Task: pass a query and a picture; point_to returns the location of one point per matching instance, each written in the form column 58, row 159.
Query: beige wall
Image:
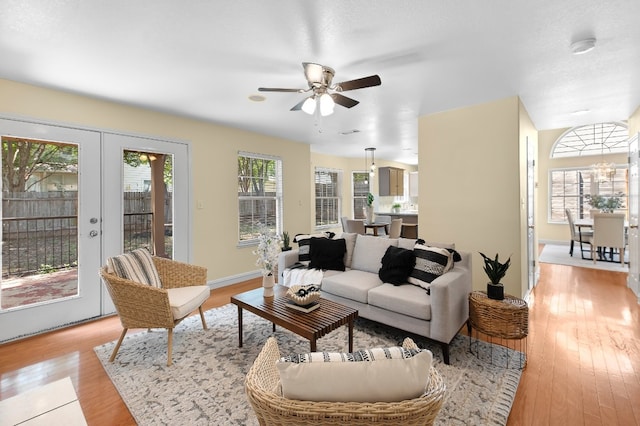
column 214, row 151
column 634, row 122
column 470, row 183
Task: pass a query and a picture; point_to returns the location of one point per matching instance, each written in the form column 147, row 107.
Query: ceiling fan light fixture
column 309, row 106
column 583, row 46
column 326, row 104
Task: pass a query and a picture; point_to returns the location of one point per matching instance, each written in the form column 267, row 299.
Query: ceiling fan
column 319, row 78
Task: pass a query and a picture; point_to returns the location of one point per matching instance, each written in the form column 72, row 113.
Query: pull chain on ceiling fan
column 319, row 79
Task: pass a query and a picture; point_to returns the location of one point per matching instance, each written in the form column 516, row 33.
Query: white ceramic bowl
column 302, row 300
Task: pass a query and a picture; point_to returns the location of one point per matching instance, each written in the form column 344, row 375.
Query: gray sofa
column 438, row 315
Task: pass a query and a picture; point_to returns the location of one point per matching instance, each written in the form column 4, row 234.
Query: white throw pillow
column 368, row 252
column 374, row 375
column 350, row 240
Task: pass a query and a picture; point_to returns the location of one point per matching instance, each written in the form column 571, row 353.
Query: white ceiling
column 204, row 58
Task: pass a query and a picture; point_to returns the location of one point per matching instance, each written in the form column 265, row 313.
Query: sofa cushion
column 405, row 299
column 137, row 265
column 374, row 375
column 325, row 253
column 406, row 243
column 368, row 252
column 431, row 262
column 353, row 284
column 397, row 264
column 350, row 240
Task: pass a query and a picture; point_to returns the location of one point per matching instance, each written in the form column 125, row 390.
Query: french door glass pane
column 39, row 222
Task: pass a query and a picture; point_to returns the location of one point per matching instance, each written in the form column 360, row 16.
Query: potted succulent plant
column 286, row 241
column 495, row 271
column 396, row 207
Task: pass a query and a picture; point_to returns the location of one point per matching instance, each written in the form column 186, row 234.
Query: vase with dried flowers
column 267, row 252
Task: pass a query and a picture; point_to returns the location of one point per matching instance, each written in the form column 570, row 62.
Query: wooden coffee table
column 312, row 325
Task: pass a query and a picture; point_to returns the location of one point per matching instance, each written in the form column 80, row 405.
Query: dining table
column 375, row 226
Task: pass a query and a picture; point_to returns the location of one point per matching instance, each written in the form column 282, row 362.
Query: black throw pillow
column 325, row 253
column 397, row 265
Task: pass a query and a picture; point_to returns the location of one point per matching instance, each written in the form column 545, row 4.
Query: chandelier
column 370, row 167
column 602, row 171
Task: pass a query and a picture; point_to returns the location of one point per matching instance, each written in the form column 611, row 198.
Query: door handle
column 93, row 233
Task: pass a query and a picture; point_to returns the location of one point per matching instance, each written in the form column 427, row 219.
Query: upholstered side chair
column 177, row 290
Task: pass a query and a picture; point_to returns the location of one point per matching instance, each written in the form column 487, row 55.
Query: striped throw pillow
column 137, row 266
column 431, row 262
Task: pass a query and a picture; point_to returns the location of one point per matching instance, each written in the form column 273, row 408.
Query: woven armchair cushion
column 184, row 300
column 136, row 266
column 374, row 375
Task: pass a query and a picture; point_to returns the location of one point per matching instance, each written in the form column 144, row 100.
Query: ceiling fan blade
column 313, row 72
column 277, row 89
column 298, row 106
column 344, row 101
column 360, row 83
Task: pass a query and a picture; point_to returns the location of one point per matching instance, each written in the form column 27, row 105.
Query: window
column 569, row 188
column 327, row 184
column 592, row 139
column 259, row 195
column 360, row 191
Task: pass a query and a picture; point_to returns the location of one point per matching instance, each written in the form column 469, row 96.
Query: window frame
column 358, row 212
column 336, row 197
column 277, row 197
column 591, row 187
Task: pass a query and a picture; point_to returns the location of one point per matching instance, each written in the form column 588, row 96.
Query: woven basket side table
column 505, row 320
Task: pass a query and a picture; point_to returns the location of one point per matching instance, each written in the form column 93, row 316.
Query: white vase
column 368, row 211
column 268, row 281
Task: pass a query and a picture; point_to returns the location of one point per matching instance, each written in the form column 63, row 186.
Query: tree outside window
column 259, row 195
column 327, row 189
column 360, row 192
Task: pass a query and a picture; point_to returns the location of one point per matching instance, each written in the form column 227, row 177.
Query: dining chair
column 383, row 219
column 608, row 231
column 344, row 220
column 355, row 226
column 395, row 229
column 577, row 235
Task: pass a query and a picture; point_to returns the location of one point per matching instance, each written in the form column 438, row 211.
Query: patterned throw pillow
column 431, row 262
column 304, row 241
column 373, row 375
column 137, row 266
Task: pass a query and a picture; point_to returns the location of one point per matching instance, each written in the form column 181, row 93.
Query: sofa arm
column 286, row 259
column 450, row 302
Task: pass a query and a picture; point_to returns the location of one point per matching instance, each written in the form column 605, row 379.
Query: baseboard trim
column 233, row 279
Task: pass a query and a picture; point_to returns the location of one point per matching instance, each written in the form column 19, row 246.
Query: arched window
column 592, row 139
column 571, row 188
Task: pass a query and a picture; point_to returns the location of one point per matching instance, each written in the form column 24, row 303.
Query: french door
column 74, row 211
column 50, row 227
column 633, row 279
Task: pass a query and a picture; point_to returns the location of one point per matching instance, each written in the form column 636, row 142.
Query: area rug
column 205, row 384
column 559, row 255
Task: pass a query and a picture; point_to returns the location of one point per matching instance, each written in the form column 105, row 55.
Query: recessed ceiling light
column 583, row 46
column 257, row 98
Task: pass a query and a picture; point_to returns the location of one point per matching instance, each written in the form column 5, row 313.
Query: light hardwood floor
column 583, row 368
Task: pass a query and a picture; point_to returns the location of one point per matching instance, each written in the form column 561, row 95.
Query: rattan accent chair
column 144, row 306
column 274, row 410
